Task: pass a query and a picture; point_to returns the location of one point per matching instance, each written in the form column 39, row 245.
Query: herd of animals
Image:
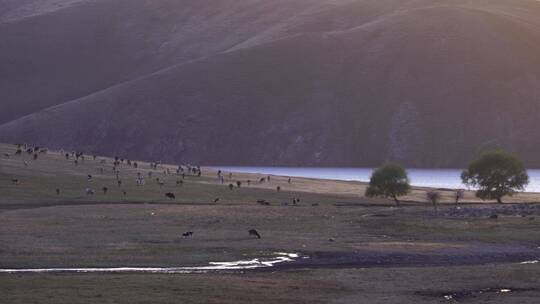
column 78, row 157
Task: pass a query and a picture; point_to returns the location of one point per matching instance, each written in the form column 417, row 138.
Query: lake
column 437, row 178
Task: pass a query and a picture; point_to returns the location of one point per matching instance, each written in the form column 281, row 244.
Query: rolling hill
column 338, row 83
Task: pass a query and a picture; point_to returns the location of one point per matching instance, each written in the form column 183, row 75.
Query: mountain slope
column 429, row 83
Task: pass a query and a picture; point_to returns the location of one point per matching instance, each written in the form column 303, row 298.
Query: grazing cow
column 170, row 195
column 15, row 181
column 254, row 233
column 216, row 200
column 289, row 180
column 105, row 189
column 249, row 182
column 18, row 152
column 262, row 180
column 35, row 156
column 187, row 234
column 57, row 191
column 67, row 155
column 179, row 182
column 238, row 184
column 119, row 182
column 231, row 186
column 124, row 193
column 278, row 188
column 89, row 177
column 89, row 191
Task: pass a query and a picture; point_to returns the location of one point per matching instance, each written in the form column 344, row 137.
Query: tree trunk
column 396, row 200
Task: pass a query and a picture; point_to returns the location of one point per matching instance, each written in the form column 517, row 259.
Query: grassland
column 361, row 250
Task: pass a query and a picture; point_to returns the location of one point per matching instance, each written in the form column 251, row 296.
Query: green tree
column 496, row 174
column 391, row 180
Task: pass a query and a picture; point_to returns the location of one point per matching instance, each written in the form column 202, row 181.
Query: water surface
column 436, row 178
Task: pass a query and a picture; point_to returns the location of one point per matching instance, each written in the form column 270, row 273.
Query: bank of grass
column 39, row 228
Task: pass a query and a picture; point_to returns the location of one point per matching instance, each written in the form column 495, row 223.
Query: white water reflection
column 279, row 257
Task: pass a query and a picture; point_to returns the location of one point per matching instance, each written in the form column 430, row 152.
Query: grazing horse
column 254, row 233
column 263, row 202
column 187, row 234
column 170, row 195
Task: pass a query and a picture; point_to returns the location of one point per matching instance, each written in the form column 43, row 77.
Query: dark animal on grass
column 187, row 234
column 231, row 186
column 67, row 155
column 179, row 182
column 35, row 156
column 57, row 191
column 124, row 193
column 262, row 180
column 170, row 195
column 15, row 181
column 263, row 202
column 254, row 233
column 105, row 189
column 18, row 152
column 216, row 200
column 238, row 184
column 119, row 183
column 6, row 155
column 89, row 191
column 278, row 188
column 89, row 177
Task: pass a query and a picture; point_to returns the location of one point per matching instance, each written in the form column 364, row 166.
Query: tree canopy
column 496, row 174
column 391, row 180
